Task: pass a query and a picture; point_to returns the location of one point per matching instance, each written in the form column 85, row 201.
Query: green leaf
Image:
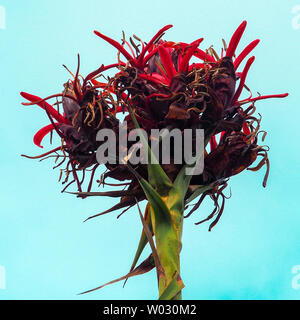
column 182, row 181
column 144, row 267
column 173, row 289
column 156, row 175
column 162, row 213
column 143, row 240
column 175, row 200
column 167, row 234
column 113, row 194
column 159, row 268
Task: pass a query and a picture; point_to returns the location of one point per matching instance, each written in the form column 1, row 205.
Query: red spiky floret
column 46, row 106
column 245, row 52
column 39, row 136
column 242, row 80
column 234, row 41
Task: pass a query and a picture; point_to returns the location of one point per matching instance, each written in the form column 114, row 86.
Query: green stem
column 178, row 296
column 168, row 245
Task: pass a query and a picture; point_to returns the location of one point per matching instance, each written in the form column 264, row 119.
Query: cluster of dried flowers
column 164, row 89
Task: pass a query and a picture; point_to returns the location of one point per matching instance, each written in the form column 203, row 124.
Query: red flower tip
column 245, row 52
column 117, row 45
column 204, row 55
column 167, row 62
column 196, row 66
column 141, row 62
column 236, row 39
column 39, row 136
column 44, row 105
column 155, row 78
column 189, row 53
column 26, row 95
column 242, row 80
column 282, row 95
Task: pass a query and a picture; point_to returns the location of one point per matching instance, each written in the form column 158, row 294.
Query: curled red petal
column 183, row 65
column 245, row 52
column 281, row 95
column 39, row 136
column 114, row 65
column 140, row 59
column 92, row 75
column 118, row 46
column 98, row 84
column 236, row 39
column 158, row 79
column 168, row 44
column 242, row 80
column 196, row 66
column 150, row 55
column 164, row 75
column 204, row 56
column 46, row 106
column 167, row 62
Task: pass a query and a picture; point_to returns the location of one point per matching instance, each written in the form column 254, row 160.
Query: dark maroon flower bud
column 71, row 108
column 224, row 82
column 228, row 159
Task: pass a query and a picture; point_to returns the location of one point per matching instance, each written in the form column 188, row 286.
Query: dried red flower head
column 164, row 89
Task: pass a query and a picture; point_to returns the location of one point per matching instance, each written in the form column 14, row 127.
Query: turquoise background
column 47, row 251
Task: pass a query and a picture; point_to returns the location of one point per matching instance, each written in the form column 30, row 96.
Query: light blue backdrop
column 47, row 251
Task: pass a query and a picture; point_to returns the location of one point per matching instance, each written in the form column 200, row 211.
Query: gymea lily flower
column 158, row 87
